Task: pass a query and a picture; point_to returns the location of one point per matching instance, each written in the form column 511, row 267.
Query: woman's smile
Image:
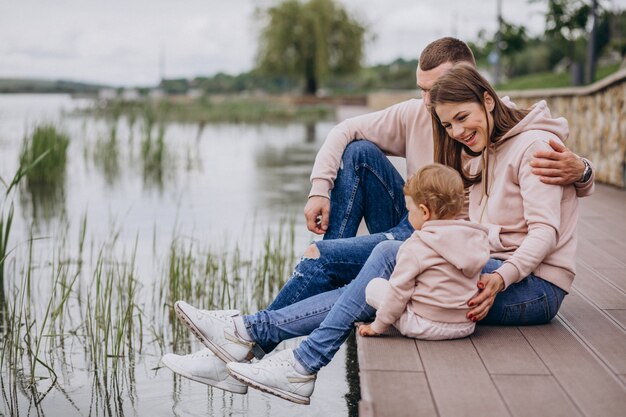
column 466, row 122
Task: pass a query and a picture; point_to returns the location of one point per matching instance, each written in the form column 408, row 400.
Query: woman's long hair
column 464, row 84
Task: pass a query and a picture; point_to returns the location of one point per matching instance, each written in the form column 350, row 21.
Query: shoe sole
column 223, row 385
column 219, row 352
column 298, row 399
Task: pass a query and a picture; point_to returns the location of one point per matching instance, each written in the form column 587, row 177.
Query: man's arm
column 560, row 166
column 385, row 128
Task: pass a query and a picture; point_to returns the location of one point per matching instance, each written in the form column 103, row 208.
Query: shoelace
column 204, row 353
column 274, row 362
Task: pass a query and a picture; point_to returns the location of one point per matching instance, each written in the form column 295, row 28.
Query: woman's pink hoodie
column 532, row 225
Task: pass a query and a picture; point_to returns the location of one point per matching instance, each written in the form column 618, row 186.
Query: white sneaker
column 204, row 367
column 276, row 375
column 216, row 330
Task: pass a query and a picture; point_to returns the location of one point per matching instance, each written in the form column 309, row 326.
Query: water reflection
column 106, row 156
column 223, row 193
column 284, row 170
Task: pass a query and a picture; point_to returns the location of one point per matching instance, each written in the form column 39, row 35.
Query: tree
column 310, row 41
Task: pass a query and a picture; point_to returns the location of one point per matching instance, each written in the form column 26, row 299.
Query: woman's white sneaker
column 276, row 375
column 216, row 330
column 204, row 367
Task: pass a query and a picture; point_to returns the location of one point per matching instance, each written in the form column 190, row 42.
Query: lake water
column 218, row 186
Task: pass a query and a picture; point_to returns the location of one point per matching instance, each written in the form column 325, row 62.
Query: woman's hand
column 366, row 330
column 489, row 286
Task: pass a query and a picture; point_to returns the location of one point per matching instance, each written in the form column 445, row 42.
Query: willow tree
column 310, row 40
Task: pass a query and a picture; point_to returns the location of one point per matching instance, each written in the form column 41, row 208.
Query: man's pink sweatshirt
column 404, row 130
column 436, row 273
column 532, row 225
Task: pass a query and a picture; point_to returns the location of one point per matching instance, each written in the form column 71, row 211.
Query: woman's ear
column 489, row 102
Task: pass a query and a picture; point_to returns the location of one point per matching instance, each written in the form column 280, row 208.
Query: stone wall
column 597, row 121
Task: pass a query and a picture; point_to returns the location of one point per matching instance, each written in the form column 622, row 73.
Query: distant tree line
column 563, row 42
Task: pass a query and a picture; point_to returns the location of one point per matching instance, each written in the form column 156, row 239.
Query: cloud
column 119, row 42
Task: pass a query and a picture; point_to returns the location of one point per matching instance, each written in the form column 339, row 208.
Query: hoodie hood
column 539, row 118
column 461, row 243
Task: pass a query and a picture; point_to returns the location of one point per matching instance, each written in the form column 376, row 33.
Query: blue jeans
column 367, row 187
column 531, row 301
column 327, row 318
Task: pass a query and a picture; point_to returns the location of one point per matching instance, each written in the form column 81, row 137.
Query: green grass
column 46, row 140
column 550, row 79
column 228, row 110
column 61, row 304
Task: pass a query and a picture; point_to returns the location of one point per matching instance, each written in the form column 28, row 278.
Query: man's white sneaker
column 276, row 375
column 204, row 367
column 216, row 330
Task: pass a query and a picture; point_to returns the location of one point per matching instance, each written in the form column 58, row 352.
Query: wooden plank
column 601, row 293
column 459, row 382
column 535, row 395
column 604, row 337
column 587, row 230
column 391, row 393
column 616, row 276
column 504, row 350
column 593, row 388
column 619, row 316
column 596, row 256
column 388, row 354
column 611, row 246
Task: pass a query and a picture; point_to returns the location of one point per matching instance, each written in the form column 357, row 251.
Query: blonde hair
column 464, row 84
column 438, row 187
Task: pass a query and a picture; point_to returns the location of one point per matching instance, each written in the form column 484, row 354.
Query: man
column 353, row 180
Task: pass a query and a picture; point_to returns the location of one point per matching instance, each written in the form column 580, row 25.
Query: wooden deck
column 574, row 366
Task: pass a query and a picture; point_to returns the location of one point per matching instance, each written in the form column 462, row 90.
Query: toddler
column 437, row 268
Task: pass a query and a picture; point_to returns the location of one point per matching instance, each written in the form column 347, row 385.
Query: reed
column 46, row 140
column 96, row 303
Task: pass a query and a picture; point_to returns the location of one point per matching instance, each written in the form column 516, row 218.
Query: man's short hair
column 445, row 50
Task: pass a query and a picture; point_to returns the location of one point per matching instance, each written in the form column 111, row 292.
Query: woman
column 532, row 242
column 532, row 225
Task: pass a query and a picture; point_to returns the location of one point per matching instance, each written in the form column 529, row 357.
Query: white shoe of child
column 216, row 330
column 204, row 367
column 276, row 375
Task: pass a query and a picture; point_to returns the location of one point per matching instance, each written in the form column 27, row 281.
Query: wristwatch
column 586, row 172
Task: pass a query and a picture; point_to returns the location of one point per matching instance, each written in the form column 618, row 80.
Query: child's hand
column 366, row 330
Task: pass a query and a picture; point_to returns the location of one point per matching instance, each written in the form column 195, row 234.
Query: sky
column 135, row 42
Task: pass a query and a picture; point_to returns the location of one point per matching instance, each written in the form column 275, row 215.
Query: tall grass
column 50, row 171
column 153, row 149
column 95, row 304
column 234, row 276
column 45, row 181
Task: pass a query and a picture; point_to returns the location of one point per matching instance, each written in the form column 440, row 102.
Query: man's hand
column 560, row 166
column 489, row 286
column 366, row 330
column 316, row 213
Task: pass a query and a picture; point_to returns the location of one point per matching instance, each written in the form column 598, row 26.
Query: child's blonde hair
column 438, row 187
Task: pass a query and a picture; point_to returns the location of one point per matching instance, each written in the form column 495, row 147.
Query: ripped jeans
column 327, row 318
column 367, row 187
